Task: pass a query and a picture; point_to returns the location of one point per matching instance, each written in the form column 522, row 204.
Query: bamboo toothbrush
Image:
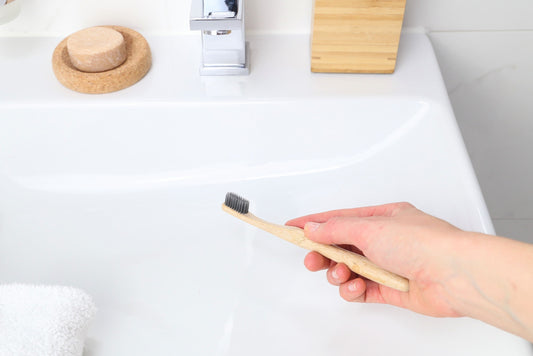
column 238, row 207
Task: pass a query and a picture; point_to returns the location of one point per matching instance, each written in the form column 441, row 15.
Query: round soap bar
column 96, row 49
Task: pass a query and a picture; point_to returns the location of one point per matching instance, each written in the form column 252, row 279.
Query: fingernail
column 352, row 287
column 334, row 273
column 311, row 226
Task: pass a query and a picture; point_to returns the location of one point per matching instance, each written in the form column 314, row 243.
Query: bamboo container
column 356, row 36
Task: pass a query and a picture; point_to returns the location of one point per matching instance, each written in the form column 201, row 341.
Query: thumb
column 339, row 231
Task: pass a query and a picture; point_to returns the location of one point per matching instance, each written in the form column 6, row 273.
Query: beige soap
column 96, row 49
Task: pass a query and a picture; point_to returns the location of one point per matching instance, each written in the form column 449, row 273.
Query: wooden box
column 356, row 36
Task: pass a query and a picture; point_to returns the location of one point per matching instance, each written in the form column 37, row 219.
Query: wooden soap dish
column 136, row 65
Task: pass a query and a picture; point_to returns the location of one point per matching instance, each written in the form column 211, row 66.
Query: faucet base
column 225, row 69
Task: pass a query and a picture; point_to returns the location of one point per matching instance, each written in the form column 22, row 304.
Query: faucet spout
column 221, row 22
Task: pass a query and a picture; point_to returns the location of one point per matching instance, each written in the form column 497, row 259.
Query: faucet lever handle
column 221, row 14
column 212, row 15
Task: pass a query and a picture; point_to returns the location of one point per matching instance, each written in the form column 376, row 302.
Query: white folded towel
column 43, row 320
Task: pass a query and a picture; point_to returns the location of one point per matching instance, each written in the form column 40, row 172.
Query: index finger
column 363, row 212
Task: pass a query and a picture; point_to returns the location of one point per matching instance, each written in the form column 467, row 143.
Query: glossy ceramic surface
column 120, row 195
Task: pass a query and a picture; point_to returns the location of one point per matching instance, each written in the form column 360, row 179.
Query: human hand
column 397, row 237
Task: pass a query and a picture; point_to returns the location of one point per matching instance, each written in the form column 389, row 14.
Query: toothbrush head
column 237, row 203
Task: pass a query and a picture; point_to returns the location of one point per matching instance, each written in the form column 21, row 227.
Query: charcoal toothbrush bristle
column 237, row 203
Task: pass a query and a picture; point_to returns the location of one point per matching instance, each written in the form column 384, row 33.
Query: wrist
column 460, row 285
column 489, row 280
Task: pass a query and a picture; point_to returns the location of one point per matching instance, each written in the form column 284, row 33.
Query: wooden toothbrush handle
column 356, row 263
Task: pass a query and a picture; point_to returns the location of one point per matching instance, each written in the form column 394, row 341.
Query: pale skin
column 451, row 272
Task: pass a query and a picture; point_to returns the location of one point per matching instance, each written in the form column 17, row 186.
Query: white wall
column 485, row 50
column 60, row 16
column 484, row 47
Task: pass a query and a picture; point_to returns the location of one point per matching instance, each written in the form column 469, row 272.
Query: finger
column 362, row 212
column 316, row 262
column 338, row 274
column 344, row 230
column 353, row 290
column 351, row 248
column 320, row 217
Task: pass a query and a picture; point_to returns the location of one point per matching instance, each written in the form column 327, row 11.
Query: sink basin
column 120, row 195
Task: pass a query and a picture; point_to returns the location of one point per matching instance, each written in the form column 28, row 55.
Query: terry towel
column 43, row 320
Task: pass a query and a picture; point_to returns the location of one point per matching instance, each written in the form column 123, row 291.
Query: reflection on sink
column 147, row 148
column 120, row 195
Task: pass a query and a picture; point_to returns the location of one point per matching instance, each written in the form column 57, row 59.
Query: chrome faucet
column 221, row 23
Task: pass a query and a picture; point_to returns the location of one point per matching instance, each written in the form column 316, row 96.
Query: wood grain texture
column 355, row 262
column 356, row 36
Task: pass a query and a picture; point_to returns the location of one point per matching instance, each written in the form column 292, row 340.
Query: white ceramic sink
column 120, row 195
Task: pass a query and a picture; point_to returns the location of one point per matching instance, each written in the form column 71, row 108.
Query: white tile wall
column 515, row 228
column 489, row 76
column 484, row 47
column 470, row 15
column 59, row 16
